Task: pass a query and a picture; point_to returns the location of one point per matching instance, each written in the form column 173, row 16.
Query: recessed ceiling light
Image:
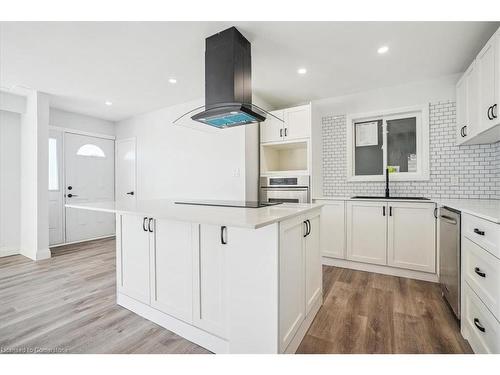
column 108, row 103
column 383, row 50
column 172, row 80
column 302, row 70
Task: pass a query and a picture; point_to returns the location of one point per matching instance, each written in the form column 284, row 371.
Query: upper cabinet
column 478, row 94
column 296, row 124
column 467, row 105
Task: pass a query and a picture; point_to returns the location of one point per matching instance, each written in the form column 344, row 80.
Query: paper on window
column 367, row 134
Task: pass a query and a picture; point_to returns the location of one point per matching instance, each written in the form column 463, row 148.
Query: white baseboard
column 385, row 270
column 6, row 252
column 301, row 332
column 198, row 336
column 43, row 254
column 87, row 240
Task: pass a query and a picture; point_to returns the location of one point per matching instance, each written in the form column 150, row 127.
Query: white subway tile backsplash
column 456, row 171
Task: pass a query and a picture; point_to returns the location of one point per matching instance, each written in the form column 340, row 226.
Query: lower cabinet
column 171, row 268
column 291, row 283
column 333, row 229
column 412, row 236
column 133, row 261
column 210, row 286
column 300, row 276
column 396, row 234
column 367, row 231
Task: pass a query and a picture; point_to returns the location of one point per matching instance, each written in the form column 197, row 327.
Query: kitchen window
column 398, row 139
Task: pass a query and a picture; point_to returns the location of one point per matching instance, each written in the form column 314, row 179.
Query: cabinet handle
column 479, row 272
column 144, row 224
column 462, row 131
column 436, row 212
column 150, row 227
column 480, row 232
column 222, row 230
column 285, row 131
column 490, row 117
column 493, row 112
column 71, row 195
column 307, row 228
column 281, row 132
column 383, row 210
column 130, row 193
column 465, row 130
column 390, row 210
column 478, row 325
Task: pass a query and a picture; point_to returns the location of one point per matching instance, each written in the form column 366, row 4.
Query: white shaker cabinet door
column 172, row 269
column 291, row 279
column 487, row 62
column 333, row 229
column 297, row 122
column 271, row 130
column 313, row 267
column 210, row 289
column 412, row 236
column 133, row 258
column 367, row 231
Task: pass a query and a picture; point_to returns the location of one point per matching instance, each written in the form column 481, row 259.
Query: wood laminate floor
column 66, row 304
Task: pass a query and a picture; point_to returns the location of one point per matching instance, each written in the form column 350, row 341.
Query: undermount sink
column 399, row 198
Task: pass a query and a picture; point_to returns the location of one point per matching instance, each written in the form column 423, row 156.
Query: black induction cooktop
column 240, row 204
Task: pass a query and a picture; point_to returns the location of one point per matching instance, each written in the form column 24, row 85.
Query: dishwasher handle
column 448, row 219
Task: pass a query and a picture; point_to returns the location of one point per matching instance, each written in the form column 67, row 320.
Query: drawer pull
column 479, row 272
column 478, row 325
column 480, row 232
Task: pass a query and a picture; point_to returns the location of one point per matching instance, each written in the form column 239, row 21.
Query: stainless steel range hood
column 228, row 83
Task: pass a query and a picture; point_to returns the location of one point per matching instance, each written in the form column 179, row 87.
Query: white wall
column 10, row 154
column 410, row 94
column 70, row 120
column 180, row 162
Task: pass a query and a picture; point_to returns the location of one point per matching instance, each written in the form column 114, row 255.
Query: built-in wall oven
column 285, row 189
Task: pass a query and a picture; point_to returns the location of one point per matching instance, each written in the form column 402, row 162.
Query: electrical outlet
column 454, row 180
column 236, row 172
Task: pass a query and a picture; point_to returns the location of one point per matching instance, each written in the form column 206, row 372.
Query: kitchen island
column 233, row 280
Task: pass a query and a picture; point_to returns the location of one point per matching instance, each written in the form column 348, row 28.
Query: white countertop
column 231, row 216
column 488, row 209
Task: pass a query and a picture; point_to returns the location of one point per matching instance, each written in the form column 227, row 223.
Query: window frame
column 421, row 112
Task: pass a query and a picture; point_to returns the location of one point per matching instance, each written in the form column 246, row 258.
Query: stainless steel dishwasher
column 449, row 257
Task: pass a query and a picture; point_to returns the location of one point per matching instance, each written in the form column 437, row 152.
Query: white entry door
column 89, row 177
column 125, row 169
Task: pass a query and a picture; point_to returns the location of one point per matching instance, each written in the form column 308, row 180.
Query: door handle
column 478, row 325
column 480, row 232
column 222, row 239
column 479, row 272
column 130, row 193
column 150, row 228
column 71, row 195
column 144, row 224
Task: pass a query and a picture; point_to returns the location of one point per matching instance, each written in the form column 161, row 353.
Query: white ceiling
column 83, row 64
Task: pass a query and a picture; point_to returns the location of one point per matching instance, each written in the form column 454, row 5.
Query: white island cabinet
column 233, row 280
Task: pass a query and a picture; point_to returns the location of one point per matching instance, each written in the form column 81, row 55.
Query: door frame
column 63, row 132
column 117, row 142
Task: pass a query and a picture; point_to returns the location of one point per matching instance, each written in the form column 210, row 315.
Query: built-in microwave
column 285, row 189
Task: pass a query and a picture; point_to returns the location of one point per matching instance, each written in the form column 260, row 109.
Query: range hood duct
column 228, row 83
